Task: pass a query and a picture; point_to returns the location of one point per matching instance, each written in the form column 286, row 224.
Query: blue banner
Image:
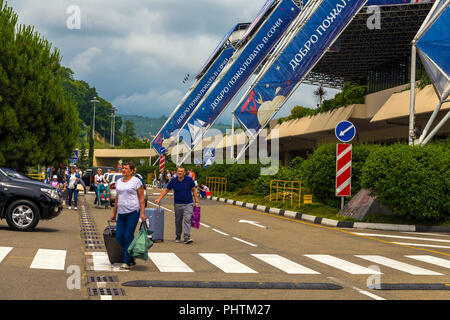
column 208, row 157
column 239, row 71
column 395, row 2
column 295, row 62
column 182, row 113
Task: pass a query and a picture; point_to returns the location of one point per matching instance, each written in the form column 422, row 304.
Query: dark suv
column 24, row 201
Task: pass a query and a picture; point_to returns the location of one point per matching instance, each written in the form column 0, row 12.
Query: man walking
column 183, row 187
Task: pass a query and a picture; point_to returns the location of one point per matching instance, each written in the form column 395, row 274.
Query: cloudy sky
column 137, row 52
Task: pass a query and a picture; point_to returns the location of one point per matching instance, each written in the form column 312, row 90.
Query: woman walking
column 72, row 180
column 129, row 206
column 98, row 179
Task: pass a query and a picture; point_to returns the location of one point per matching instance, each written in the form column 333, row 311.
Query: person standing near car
column 129, row 207
column 98, row 179
column 73, row 179
column 183, row 187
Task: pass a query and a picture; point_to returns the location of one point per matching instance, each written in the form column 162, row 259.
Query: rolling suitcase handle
column 109, row 225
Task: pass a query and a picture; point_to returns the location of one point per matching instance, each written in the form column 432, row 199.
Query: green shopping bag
column 141, row 243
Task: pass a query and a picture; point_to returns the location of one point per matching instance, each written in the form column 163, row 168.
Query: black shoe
column 187, row 241
column 133, row 263
column 177, row 240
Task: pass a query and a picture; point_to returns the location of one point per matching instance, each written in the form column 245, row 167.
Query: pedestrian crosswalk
column 252, row 263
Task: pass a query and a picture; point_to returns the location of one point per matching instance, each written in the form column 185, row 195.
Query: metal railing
column 286, row 190
column 216, row 185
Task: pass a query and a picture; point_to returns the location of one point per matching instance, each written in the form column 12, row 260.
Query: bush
column 319, row 171
column 411, row 181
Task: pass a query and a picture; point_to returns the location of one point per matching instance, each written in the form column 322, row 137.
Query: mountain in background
column 148, row 127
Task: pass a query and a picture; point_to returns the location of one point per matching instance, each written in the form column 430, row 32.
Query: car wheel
column 22, row 215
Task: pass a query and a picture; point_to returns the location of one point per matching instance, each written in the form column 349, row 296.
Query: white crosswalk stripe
column 284, row 264
column 394, row 264
column 432, row 260
column 4, row 251
column 49, row 259
column 226, row 263
column 168, row 262
column 341, row 264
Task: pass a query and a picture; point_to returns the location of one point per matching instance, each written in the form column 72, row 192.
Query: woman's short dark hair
column 130, row 164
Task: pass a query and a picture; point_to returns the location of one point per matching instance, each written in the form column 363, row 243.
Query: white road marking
column 226, row 263
column 49, row 259
column 394, row 264
column 432, row 260
column 221, row 232
column 101, row 263
column 422, row 245
column 205, row 225
column 4, row 251
column 246, row 242
column 428, row 234
column 105, row 297
column 341, row 264
column 400, row 237
column 168, row 262
column 284, row 264
column 371, row 295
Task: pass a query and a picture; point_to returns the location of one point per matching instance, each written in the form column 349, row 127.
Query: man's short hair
column 130, row 164
column 181, row 167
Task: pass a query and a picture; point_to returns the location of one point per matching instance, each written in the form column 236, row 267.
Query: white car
column 112, row 180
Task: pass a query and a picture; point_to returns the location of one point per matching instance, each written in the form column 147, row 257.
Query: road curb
column 333, row 223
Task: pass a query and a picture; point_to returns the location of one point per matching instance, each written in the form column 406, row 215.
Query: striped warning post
column 343, row 170
column 162, row 163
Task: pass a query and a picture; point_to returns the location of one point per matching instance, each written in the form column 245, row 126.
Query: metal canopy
column 361, row 50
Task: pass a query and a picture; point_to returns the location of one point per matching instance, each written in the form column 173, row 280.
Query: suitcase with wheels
column 115, row 251
column 156, row 219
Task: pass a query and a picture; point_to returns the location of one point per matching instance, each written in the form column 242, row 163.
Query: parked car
column 112, row 187
column 24, row 201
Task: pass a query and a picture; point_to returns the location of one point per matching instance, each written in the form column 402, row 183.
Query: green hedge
column 319, row 171
column 411, row 181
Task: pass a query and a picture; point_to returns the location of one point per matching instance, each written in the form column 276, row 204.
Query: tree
column 320, row 93
column 83, row 158
column 38, row 124
column 129, row 134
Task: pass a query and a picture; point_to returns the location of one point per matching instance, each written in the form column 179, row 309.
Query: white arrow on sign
column 346, row 130
column 254, row 223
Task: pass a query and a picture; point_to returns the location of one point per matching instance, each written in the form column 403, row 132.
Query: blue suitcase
column 156, row 219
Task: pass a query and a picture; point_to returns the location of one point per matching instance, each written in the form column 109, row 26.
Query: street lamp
column 93, row 120
column 114, row 124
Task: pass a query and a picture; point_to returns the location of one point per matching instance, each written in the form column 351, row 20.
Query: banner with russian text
column 242, row 66
column 269, row 94
column 181, row 114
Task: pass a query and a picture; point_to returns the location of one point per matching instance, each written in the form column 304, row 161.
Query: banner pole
column 412, row 94
column 232, row 136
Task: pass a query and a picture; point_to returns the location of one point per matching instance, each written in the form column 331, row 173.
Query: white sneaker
column 70, row 208
column 76, row 208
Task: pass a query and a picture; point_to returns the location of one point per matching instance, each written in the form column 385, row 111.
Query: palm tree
column 320, row 93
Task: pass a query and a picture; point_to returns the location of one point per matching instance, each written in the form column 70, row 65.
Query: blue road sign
column 345, row 131
column 163, row 150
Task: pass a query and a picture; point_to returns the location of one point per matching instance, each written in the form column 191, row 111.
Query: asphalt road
column 266, row 250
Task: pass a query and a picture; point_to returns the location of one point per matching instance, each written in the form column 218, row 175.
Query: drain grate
column 102, row 279
column 90, row 247
column 105, row 292
column 92, row 242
